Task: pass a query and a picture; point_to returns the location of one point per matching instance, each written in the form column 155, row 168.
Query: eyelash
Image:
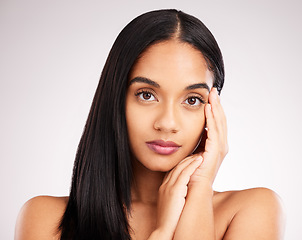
column 196, row 97
column 150, row 92
column 144, row 91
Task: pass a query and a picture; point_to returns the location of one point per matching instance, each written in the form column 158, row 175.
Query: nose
column 167, row 119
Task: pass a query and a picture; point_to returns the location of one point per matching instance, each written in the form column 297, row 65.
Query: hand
column 172, row 194
column 213, row 145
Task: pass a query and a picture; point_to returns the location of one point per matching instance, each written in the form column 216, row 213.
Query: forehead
column 172, row 62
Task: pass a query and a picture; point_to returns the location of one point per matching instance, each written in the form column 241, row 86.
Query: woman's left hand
column 214, row 144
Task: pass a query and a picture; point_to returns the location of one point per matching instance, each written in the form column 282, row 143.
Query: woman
column 154, row 140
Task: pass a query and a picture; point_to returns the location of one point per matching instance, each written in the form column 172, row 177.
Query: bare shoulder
column 256, row 213
column 40, row 217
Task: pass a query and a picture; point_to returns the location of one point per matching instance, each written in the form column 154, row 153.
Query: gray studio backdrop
column 51, row 56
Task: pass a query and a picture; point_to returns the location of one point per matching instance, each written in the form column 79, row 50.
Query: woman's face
column 168, row 88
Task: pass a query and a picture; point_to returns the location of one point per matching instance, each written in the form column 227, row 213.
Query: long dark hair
column 100, row 199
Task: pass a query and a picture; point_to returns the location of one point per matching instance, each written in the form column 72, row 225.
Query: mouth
column 163, row 147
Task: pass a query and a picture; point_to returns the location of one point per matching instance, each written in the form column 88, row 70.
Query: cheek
column 131, row 117
column 137, row 120
column 193, row 128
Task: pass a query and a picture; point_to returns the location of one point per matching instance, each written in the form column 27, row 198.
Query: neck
column 145, row 184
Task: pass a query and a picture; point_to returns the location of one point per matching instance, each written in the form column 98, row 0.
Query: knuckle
column 162, row 188
column 185, row 176
column 226, row 148
column 173, row 191
column 184, row 173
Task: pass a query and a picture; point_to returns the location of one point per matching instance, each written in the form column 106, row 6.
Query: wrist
column 205, row 183
column 203, row 188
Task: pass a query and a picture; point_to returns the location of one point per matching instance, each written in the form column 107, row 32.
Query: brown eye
column 146, row 95
column 192, row 100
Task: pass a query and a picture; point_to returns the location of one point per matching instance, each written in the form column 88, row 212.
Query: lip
column 163, row 147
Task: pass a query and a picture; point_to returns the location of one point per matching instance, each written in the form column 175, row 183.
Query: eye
column 145, row 96
column 194, row 101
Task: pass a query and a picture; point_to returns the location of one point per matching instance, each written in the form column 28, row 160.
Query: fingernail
column 209, row 106
column 199, row 158
column 214, row 93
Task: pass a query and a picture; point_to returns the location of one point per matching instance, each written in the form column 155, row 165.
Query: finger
column 220, row 119
column 218, row 113
column 185, row 175
column 211, row 123
column 180, row 167
column 216, row 105
column 219, row 110
column 175, row 171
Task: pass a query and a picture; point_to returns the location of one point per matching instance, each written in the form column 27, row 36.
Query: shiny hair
column 100, row 198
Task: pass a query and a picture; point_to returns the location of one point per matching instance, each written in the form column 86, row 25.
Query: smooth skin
column 171, row 97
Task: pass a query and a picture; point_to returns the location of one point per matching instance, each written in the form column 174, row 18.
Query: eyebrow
column 198, row 85
column 155, row 84
column 144, row 80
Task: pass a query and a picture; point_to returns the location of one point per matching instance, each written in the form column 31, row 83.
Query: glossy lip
column 163, row 147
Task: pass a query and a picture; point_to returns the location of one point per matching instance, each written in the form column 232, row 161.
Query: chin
column 163, row 163
column 162, row 168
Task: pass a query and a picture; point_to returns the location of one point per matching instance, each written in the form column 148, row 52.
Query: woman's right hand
column 172, row 194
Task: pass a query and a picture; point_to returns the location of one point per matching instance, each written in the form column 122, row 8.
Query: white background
column 51, row 57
